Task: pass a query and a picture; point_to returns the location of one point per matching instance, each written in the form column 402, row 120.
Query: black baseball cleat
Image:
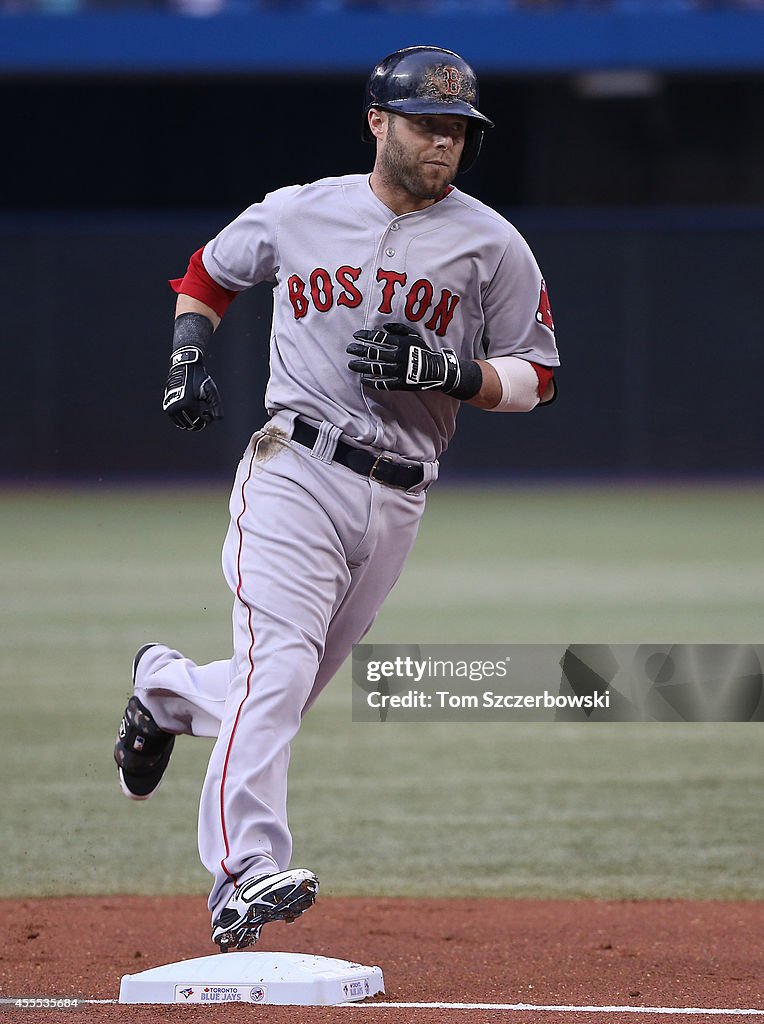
column 258, row 901
column 142, row 750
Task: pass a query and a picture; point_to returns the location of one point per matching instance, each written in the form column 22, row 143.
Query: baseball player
column 397, row 297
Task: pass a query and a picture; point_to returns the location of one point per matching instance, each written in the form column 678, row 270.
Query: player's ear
column 378, row 120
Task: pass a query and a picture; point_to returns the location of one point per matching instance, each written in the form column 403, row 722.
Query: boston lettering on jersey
column 322, row 290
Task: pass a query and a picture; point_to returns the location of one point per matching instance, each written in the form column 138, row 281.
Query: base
column 286, row 979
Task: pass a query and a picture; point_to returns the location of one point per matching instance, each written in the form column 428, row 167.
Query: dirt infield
column 587, row 953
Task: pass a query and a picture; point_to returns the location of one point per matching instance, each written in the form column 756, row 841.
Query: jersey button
column 389, row 252
column 394, row 227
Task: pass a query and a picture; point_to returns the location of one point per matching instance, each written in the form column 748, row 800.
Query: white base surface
column 286, row 979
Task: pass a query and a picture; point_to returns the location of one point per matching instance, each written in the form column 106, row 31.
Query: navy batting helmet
column 427, row 80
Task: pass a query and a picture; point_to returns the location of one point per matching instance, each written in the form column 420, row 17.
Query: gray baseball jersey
column 457, row 272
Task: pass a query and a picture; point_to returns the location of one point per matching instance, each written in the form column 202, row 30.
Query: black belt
column 377, row 467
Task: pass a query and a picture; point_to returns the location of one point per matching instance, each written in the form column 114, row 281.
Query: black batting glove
column 396, row 359
column 191, row 397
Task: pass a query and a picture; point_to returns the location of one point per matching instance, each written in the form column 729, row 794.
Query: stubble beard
column 401, row 170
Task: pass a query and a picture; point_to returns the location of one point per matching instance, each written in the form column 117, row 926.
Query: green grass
column 630, row 810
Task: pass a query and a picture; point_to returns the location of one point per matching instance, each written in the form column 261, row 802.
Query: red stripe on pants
column 249, row 674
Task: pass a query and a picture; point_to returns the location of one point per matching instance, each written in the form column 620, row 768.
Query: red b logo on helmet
column 452, row 80
column 544, row 311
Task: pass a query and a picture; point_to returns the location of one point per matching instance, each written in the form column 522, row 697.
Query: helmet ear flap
column 473, row 140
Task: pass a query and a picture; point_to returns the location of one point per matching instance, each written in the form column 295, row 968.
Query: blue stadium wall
column 669, row 36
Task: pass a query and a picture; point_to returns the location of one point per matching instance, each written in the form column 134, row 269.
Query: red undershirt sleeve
column 199, row 285
column 545, row 375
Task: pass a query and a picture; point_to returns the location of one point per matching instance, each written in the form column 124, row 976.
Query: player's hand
column 396, row 359
column 191, row 397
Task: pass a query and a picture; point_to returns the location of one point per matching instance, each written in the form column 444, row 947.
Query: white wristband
column 519, row 384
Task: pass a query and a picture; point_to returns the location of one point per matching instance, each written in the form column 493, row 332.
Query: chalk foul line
column 689, row 1011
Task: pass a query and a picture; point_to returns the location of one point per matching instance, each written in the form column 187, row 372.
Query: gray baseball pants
column 311, row 552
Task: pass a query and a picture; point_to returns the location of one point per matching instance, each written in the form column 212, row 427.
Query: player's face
column 421, row 152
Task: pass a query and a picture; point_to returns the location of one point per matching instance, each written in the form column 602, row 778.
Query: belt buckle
column 373, row 470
